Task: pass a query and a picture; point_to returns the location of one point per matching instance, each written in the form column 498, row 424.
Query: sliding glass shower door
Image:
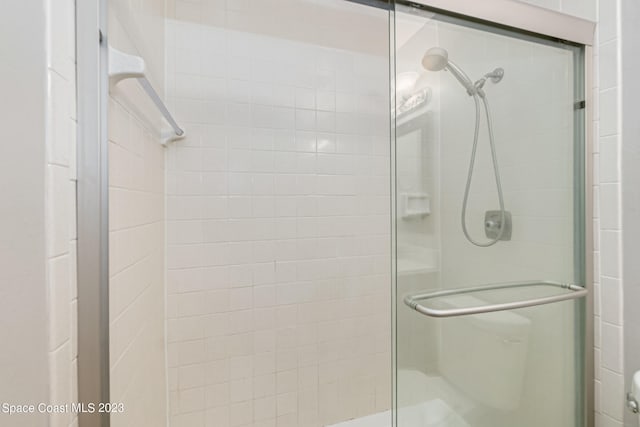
column 489, row 225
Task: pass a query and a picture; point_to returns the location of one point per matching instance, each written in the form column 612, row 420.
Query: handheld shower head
column 437, row 59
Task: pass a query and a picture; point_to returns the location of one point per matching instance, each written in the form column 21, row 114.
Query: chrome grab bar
column 413, row 301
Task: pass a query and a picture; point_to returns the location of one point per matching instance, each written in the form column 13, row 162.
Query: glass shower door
column 489, row 225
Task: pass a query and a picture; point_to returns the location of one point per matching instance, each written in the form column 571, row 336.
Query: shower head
column 437, row 59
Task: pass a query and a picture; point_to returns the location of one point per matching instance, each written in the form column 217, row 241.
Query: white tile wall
column 580, row 8
column 629, row 160
column 137, row 225
column 609, row 343
column 24, row 259
column 278, row 263
column 60, row 208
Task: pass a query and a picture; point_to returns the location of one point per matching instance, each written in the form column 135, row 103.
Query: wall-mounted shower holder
column 492, row 225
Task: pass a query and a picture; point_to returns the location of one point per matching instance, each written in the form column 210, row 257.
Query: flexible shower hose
column 495, row 171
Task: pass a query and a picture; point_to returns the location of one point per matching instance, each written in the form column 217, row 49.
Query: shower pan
column 491, row 282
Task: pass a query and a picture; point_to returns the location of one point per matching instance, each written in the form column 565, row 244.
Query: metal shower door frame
column 521, row 16
column 537, row 21
column 92, row 211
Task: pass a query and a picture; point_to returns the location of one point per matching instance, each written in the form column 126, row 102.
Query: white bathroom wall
column 586, row 9
column 608, row 177
column 23, row 249
column 61, row 207
column 629, row 160
column 42, row 75
column 137, row 223
column 278, row 215
column 610, row 392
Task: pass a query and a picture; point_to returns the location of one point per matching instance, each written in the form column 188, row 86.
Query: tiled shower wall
column 61, row 208
column 609, row 373
column 278, row 231
column 137, row 224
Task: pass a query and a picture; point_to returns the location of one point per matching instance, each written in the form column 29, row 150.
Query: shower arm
column 462, row 77
column 495, row 76
column 474, row 88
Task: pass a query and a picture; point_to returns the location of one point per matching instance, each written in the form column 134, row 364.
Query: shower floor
column 434, row 413
column 381, row 419
column 426, row 407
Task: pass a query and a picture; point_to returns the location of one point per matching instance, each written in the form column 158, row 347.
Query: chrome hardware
column 413, row 301
column 495, row 76
column 492, row 225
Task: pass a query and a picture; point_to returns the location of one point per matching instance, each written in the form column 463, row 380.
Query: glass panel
column 278, row 263
column 517, row 217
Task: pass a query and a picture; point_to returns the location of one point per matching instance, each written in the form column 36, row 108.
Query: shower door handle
column 415, row 301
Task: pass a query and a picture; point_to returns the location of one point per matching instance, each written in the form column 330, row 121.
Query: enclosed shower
column 315, row 226
column 489, row 237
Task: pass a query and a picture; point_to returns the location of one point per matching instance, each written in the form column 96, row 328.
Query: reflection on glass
column 492, row 145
